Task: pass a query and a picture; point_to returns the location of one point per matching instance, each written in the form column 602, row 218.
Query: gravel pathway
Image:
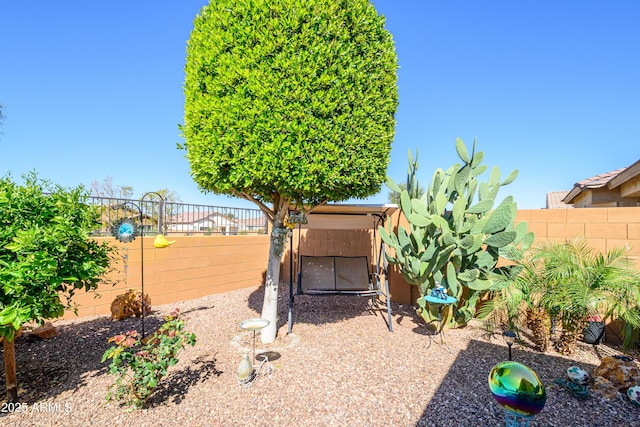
column 339, row 367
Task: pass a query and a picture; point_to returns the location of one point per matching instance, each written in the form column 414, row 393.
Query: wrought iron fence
column 157, row 216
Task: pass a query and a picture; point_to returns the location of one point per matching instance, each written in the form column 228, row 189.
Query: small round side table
column 440, row 303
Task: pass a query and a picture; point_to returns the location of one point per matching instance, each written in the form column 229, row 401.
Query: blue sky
column 94, row 90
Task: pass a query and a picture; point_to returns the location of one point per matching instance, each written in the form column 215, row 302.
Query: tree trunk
column 10, row 370
column 540, row 323
column 572, row 330
column 270, row 304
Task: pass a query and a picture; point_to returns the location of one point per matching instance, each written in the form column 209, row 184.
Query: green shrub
column 139, row 365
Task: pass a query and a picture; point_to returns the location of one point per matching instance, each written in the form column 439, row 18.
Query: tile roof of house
column 608, row 179
column 599, row 181
column 194, row 216
column 627, row 175
column 555, row 200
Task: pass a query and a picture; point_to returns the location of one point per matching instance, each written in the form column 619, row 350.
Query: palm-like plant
column 517, row 298
column 581, row 282
column 571, row 282
column 533, row 288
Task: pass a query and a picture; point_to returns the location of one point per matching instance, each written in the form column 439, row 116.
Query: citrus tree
column 46, row 254
column 289, row 104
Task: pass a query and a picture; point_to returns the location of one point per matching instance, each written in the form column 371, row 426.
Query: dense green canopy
column 290, row 99
column 46, row 251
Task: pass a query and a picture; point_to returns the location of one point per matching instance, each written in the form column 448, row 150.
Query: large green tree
column 289, row 104
column 46, row 255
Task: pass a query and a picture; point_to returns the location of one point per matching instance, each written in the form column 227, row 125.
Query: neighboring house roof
column 554, row 200
column 610, row 180
column 626, row 176
column 195, row 216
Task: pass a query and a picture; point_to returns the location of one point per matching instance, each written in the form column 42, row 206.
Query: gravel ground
column 339, row 367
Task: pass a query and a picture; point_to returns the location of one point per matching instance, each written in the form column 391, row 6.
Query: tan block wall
column 602, row 228
column 197, row 266
column 193, row 267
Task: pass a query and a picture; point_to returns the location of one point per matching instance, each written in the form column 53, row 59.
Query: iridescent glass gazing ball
column 517, row 388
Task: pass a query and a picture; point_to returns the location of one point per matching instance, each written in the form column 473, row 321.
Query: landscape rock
column 45, row 332
column 622, row 372
column 604, row 388
column 130, row 304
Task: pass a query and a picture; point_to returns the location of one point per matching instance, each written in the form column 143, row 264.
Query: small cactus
column 454, row 236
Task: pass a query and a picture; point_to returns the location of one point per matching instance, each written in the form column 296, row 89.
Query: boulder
column 130, row 304
column 45, row 332
column 604, row 387
column 623, row 372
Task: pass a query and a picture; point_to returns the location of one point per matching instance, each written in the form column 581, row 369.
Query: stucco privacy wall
column 602, row 228
column 193, row 267
column 196, row 266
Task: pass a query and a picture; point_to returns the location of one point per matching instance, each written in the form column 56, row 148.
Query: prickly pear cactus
column 456, row 235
